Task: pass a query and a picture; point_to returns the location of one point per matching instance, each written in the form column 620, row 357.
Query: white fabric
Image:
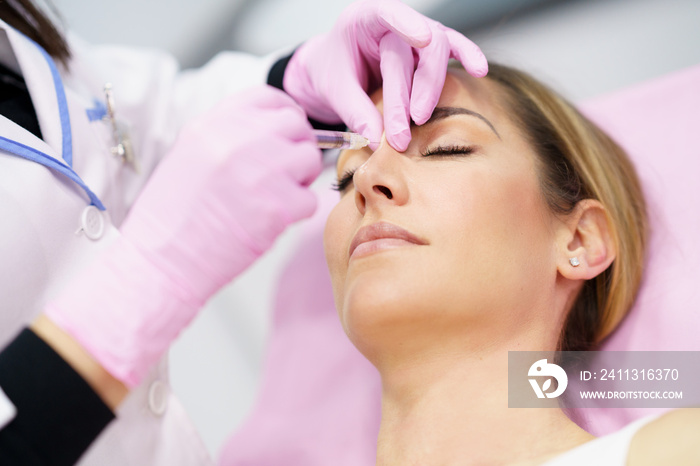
column 41, row 211
column 7, row 410
column 610, row 450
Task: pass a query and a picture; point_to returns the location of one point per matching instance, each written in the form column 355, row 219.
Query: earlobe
column 586, row 247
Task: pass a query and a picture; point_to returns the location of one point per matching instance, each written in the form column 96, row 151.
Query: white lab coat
column 40, row 210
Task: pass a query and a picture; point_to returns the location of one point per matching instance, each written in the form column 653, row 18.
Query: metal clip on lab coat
column 122, row 143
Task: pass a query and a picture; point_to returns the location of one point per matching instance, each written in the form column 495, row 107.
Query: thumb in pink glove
column 233, row 181
column 375, row 42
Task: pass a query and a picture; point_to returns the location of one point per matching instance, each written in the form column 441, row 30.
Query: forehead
column 462, row 90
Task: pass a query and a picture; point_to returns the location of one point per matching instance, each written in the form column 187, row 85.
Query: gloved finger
column 268, row 155
column 287, row 122
column 404, row 21
column 397, row 74
column 307, row 162
column 264, row 111
column 302, row 204
column 285, row 200
column 259, row 97
column 429, row 77
column 357, row 111
column 273, row 207
column 468, row 53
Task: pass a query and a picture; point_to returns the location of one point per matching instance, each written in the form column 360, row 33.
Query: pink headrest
column 658, row 124
column 319, row 400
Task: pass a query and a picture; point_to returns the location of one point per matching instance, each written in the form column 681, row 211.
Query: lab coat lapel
column 39, row 80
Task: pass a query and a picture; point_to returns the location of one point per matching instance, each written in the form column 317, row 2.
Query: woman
column 419, row 237
column 410, row 326
column 75, row 156
column 510, row 223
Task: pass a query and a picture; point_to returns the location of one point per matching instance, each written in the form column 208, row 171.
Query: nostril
column 384, row 190
column 360, row 201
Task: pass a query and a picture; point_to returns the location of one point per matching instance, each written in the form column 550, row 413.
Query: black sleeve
column 276, row 78
column 58, row 414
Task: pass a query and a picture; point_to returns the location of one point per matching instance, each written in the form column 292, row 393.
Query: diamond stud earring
column 574, row 261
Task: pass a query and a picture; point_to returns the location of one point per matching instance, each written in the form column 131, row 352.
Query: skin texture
column 493, row 275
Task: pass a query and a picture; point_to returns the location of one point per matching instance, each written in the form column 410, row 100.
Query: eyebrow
column 444, row 112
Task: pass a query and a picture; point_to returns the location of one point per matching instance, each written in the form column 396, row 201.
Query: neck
column 443, row 409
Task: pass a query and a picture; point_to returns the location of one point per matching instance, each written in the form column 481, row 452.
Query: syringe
column 339, row 140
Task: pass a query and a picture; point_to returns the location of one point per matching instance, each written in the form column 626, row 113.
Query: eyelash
column 446, row 151
column 440, row 151
column 343, row 181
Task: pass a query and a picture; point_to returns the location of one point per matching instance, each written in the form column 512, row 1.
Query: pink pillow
column 320, row 399
column 658, row 124
column 319, row 402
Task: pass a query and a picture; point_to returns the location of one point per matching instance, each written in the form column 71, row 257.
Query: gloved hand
column 233, row 181
column 374, row 41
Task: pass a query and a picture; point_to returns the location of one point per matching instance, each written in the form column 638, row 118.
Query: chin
column 378, row 313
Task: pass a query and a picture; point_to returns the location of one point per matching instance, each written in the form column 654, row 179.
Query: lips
column 381, row 236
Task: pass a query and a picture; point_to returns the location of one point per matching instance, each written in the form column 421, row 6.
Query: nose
column 381, row 181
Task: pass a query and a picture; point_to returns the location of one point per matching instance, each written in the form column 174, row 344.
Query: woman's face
column 449, row 244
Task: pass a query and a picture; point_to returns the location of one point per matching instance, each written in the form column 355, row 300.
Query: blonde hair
column 579, row 161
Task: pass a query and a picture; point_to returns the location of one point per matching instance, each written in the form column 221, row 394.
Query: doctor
column 74, row 157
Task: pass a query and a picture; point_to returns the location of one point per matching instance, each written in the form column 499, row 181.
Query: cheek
column 524, row 223
column 494, row 222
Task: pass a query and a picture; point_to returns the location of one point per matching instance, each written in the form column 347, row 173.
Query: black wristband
column 276, row 79
column 276, row 76
column 58, row 413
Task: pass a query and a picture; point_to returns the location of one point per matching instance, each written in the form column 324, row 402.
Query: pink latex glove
column 233, row 181
column 377, row 41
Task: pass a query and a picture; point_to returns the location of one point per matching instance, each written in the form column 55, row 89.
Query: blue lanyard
column 37, row 156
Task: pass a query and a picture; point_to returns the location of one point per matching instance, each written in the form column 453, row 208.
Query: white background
column 583, row 48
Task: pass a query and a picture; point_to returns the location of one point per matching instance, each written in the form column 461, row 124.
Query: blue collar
column 46, row 160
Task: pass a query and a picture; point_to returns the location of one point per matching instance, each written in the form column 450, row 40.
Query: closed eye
column 343, row 181
column 446, row 151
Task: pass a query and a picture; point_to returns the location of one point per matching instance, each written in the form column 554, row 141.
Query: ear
column 585, row 235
